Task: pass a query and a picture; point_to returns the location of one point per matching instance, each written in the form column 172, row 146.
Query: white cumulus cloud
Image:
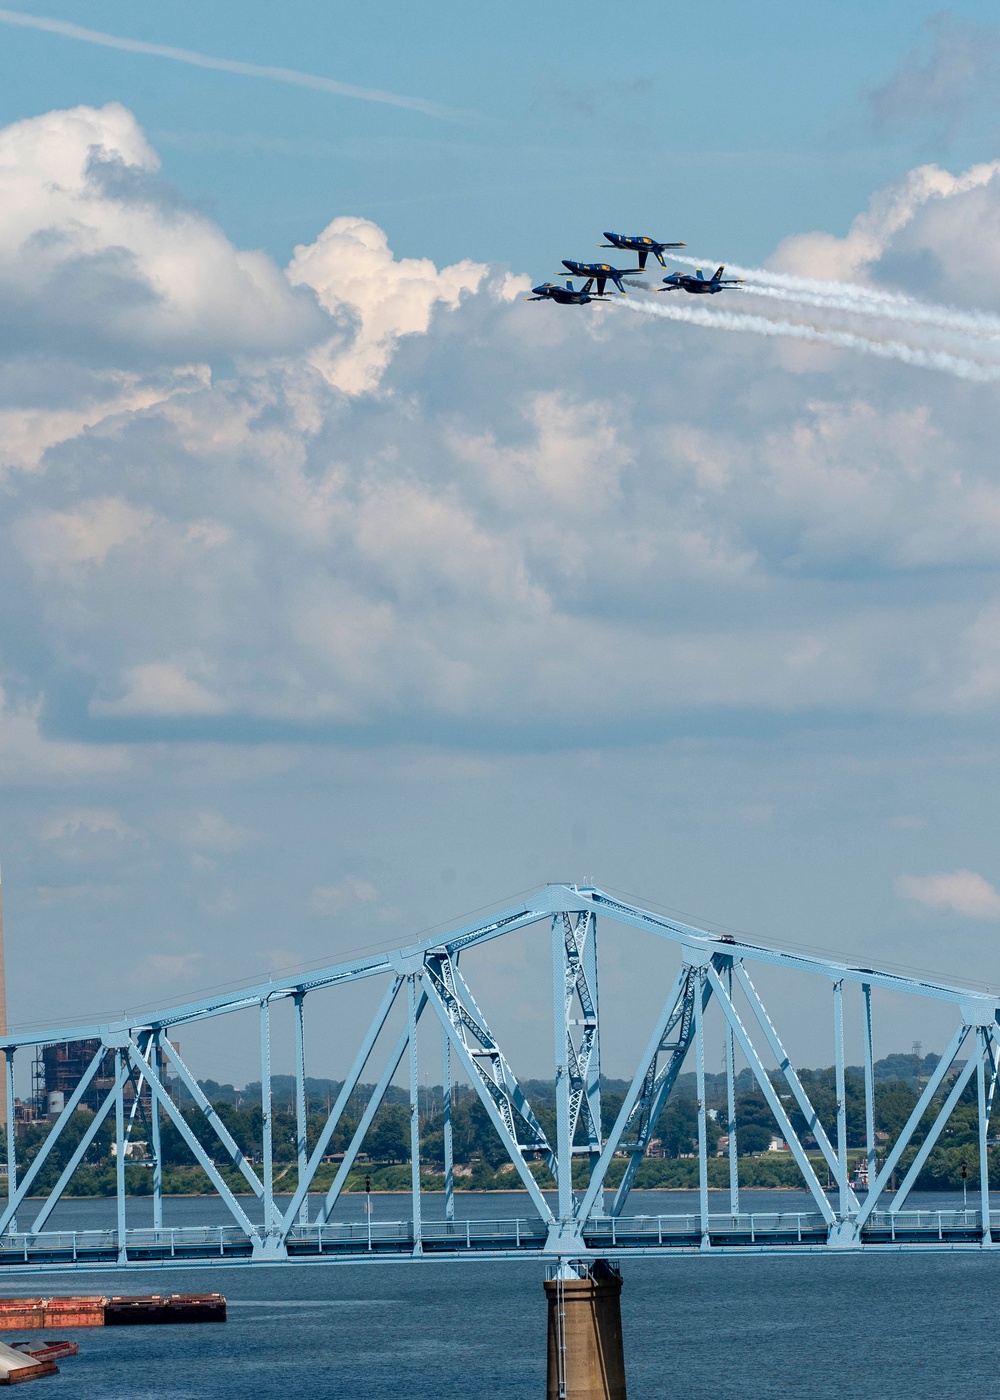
column 961, row 892
column 924, row 232
column 354, row 273
column 93, row 252
column 412, row 507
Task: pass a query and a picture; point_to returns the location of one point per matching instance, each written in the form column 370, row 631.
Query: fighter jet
column 699, row 282
column 565, row 296
column 632, row 243
column 601, row 273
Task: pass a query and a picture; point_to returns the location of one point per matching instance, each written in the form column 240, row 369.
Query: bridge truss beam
column 713, row 979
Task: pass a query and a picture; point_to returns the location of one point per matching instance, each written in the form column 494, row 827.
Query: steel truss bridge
column 423, row 982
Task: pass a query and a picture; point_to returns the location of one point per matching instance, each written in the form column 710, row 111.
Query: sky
column 346, row 592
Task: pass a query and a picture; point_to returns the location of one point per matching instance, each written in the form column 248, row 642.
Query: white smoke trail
column 224, row 65
column 962, row 368
column 979, row 325
column 798, row 284
column 851, row 297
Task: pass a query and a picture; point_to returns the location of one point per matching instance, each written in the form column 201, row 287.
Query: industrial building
column 58, row 1069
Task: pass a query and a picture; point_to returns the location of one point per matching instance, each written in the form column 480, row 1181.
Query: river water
column 894, row 1326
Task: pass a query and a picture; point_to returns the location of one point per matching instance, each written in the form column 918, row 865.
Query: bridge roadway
column 354, row 1241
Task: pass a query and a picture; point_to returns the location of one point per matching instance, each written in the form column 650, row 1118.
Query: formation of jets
column 603, row 273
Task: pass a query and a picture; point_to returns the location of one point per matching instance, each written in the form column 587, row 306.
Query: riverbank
column 766, row 1172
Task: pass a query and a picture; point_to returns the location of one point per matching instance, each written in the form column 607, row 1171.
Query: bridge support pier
column 586, row 1359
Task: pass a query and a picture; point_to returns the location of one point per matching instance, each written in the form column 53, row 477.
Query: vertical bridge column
column 449, row 1143
column 154, row 1130
column 11, row 1135
column 586, row 1358
column 301, row 1104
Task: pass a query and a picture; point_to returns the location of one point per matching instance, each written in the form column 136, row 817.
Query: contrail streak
column 961, row 367
column 800, row 284
column 978, row 324
column 225, row 65
column 850, row 296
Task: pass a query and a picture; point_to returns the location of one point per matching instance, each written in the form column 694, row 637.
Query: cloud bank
column 363, row 498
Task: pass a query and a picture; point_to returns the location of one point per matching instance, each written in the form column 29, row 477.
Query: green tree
column 751, row 1138
column 894, row 1102
column 388, row 1138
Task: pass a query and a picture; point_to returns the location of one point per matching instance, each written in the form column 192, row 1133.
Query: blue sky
column 345, row 592
column 728, row 130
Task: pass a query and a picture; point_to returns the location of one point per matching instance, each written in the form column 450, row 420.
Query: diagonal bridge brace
column 372, row 1107
column 768, row 1090
column 489, row 1073
column 222, row 1132
column 337, row 1112
column 649, row 1087
column 813, row 1124
column 75, row 1099
column 936, row 1128
column 657, row 1083
column 912, row 1124
column 82, row 1147
column 171, row 1110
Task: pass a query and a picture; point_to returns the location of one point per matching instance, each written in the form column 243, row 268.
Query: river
column 899, row 1327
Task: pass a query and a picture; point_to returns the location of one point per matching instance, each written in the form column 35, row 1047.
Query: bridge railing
column 661, row 1229
column 203, row 1243
column 927, row 1222
column 504, row 1233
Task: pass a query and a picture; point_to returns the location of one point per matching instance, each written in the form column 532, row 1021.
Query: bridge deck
column 633, row 1235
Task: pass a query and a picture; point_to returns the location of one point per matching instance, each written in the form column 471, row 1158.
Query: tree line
column 479, row 1153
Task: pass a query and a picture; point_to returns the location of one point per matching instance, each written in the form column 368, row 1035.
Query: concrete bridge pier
column 586, row 1356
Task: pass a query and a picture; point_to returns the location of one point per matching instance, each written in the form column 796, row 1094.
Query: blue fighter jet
column 632, row 243
column 565, row 296
column 602, row 273
column 699, row 282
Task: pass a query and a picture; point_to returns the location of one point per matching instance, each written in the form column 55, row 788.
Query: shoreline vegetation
column 481, row 1160
column 318, row 1194
column 764, row 1172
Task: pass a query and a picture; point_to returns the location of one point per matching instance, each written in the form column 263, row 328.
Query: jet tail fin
column 718, row 272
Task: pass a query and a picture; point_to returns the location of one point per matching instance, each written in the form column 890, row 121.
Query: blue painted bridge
column 616, row 1236
column 710, row 996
